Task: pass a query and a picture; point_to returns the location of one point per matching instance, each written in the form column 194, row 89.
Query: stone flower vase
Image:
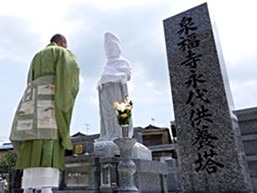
column 126, row 167
column 125, row 130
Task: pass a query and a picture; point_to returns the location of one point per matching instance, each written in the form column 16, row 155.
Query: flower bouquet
column 123, row 111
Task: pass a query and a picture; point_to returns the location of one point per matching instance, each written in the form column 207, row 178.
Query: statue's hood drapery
column 117, row 68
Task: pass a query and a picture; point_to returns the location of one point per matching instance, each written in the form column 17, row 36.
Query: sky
column 28, row 25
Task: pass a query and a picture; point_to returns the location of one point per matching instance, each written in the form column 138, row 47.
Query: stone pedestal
column 110, row 149
column 105, row 149
column 126, row 167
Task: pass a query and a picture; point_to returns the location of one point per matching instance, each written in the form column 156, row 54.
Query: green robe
column 60, row 63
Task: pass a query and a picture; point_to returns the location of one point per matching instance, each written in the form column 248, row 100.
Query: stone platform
column 91, row 174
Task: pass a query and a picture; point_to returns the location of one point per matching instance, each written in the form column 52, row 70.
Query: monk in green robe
column 41, row 127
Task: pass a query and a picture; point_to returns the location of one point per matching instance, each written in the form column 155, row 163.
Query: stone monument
column 112, row 86
column 210, row 151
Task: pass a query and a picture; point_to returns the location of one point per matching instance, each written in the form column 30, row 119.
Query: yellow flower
column 124, row 115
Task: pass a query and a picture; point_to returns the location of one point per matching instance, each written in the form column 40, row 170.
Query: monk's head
column 60, row 40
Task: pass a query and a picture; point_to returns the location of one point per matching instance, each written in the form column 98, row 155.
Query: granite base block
column 150, row 176
column 254, row 181
column 82, row 173
column 109, row 149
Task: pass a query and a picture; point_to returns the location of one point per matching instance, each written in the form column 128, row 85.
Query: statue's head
column 112, row 45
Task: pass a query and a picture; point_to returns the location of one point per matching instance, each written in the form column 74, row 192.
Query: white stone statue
column 112, row 86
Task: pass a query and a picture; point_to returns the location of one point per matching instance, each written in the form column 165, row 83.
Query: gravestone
column 210, row 150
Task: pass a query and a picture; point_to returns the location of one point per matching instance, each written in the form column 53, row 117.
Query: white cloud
column 118, row 4
column 131, row 86
column 82, row 80
column 244, row 93
column 26, row 27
